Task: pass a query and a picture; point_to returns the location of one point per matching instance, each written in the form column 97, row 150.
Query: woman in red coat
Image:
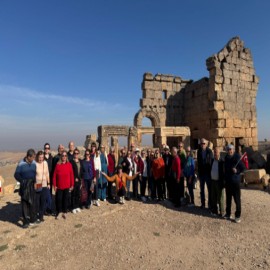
column 63, row 182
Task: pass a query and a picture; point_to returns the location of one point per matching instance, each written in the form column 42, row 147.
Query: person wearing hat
column 233, row 167
column 205, row 158
column 120, row 180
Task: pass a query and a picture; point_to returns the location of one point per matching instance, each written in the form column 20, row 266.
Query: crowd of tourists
column 56, row 185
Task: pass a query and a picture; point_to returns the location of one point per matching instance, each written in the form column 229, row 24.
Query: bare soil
column 138, row 236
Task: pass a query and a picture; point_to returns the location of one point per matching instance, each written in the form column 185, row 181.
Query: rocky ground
column 138, row 236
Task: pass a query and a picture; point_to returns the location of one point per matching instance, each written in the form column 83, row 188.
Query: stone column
column 114, row 143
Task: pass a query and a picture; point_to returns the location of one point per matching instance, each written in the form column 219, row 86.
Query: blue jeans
column 128, row 189
column 205, row 179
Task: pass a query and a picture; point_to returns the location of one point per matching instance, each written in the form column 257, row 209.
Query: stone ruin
column 221, row 107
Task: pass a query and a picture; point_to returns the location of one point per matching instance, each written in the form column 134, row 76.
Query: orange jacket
column 158, row 168
column 115, row 178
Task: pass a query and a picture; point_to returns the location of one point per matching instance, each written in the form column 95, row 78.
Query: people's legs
column 143, row 186
column 42, row 208
column 103, row 190
column 208, row 184
column 202, row 184
column 25, row 211
column 32, row 209
column 150, row 186
column 182, row 187
column 159, row 188
column 37, row 201
column 110, row 187
column 190, row 190
column 135, row 187
column 58, row 201
column 176, row 193
column 128, row 190
column 154, row 189
column 76, row 195
column 237, row 199
column 87, row 183
column 48, row 201
column 221, row 200
column 214, row 196
column 163, row 188
column 228, row 199
column 65, row 199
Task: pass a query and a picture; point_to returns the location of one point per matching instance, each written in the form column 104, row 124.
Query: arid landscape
column 136, row 236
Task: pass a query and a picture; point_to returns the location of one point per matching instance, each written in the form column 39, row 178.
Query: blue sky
column 68, row 66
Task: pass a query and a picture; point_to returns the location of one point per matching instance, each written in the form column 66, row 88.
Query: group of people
column 155, row 174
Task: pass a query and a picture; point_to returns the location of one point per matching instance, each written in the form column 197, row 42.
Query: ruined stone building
column 220, row 108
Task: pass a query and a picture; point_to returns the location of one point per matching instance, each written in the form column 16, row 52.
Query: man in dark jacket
column 167, row 157
column 26, row 174
column 217, row 184
column 205, row 157
column 233, row 167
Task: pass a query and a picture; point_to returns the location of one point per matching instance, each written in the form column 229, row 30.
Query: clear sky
column 68, row 66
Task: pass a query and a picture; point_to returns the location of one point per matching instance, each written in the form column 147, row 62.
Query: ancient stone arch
column 153, row 116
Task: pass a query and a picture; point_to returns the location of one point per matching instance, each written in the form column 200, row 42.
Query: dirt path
column 138, row 236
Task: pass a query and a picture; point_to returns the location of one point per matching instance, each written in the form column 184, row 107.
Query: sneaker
column 78, row 210
column 97, row 203
column 104, row 200
column 74, row 211
column 237, row 220
column 228, row 217
column 123, row 200
column 34, row 223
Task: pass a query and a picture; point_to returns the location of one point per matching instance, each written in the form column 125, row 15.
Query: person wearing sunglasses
column 63, row 183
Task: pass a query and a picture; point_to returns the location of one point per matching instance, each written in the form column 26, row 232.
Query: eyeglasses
column 76, row 153
column 63, row 155
column 180, row 146
column 203, row 143
column 47, row 148
column 87, row 154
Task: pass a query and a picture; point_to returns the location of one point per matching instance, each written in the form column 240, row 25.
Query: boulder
column 265, row 180
column 254, row 176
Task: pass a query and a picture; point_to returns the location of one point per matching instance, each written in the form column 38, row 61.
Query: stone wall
column 233, row 87
column 162, row 100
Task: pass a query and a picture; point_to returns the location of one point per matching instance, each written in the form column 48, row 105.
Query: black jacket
column 230, row 163
column 168, row 163
column 204, row 166
column 27, row 190
column 126, row 164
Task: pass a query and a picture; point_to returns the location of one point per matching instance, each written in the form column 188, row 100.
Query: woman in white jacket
column 97, row 163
